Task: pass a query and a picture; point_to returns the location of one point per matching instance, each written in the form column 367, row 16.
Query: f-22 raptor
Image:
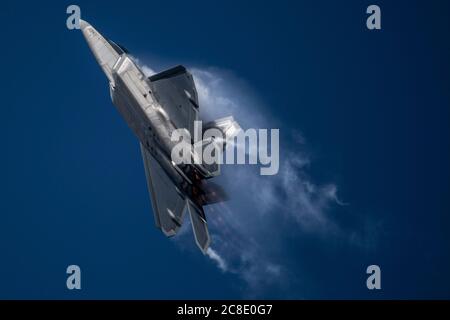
column 153, row 108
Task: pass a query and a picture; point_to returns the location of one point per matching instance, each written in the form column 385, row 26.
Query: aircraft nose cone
column 83, row 24
column 100, row 47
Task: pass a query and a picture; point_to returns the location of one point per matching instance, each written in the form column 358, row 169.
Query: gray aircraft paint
column 154, row 108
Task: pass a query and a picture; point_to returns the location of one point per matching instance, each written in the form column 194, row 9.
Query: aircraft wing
column 168, row 203
column 175, row 91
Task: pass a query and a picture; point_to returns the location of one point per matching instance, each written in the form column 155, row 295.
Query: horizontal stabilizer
column 199, row 226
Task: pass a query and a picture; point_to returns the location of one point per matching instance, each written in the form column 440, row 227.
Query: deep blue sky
column 373, row 107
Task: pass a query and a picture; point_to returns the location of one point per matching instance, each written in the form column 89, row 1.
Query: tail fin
column 199, row 226
column 229, row 128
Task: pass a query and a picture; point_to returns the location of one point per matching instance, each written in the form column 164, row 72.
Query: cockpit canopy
column 117, row 47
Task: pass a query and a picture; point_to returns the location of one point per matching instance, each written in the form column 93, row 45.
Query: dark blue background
column 374, row 106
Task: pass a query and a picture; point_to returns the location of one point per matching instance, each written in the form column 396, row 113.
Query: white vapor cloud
column 249, row 231
column 147, row 70
column 216, row 258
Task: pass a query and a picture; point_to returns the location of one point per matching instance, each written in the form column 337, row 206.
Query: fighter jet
column 153, row 108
